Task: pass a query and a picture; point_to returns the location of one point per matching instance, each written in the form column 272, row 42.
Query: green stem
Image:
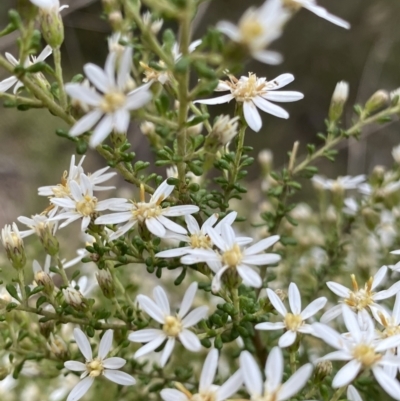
column 338, row 393
column 292, row 359
column 59, row 77
column 62, row 271
column 21, row 280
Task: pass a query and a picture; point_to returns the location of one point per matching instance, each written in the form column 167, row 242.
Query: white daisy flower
column 95, row 367
column 230, row 257
column 340, row 184
column 82, row 204
column 255, row 93
column 199, row 238
column 112, row 107
column 7, row 83
column 360, row 298
column 312, row 6
column 362, row 351
column 38, row 225
column 258, row 28
column 294, row 321
column 272, row 388
column 151, row 213
column 207, row 390
column 173, row 326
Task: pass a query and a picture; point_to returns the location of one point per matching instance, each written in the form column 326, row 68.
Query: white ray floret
column 361, row 298
column 258, row 28
column 294, row 321
column 82, row 204
column 362, row 351
column 256, row 93
column 110, row 108
column 272, row 388
column 174, row 326
column 207, row 389
column 340, row 183
column 231, row 256
column 312, row 6
column 8, row 83
column 96, row 367
column 151, row 213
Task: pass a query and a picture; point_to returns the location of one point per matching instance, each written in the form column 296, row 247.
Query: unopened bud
column 395, row 96
column 378, row 100
column 323, row 370
column 14, row 245
column 106, row 283
column 46, row 328
column 74, row 298
column 147, row 128
column 195, row 129
column 339, row 98
column 48, row 239
column 57, row 346
column 115, row 19
column 44, row 279
column 378, row 175
column 371, row 218
column 52, row 26
column 396, row 154
column 225, row 129
column 155, row 26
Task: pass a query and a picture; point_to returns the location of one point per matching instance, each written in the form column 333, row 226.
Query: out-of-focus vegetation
column 318, row 53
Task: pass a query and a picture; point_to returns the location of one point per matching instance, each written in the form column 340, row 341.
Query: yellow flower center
column 293, row 322
column 95, row 367
column 250, row 29
column 112, row 102
column 232, row 257
column 366, row 354
column 200, row 241
column 206, row 396
column 86, row 206
column 146, row 210
column 246, row 89
column 172, row 326
column 62, row 190
column 360, row 298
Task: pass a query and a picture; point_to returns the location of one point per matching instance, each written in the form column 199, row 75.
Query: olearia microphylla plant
column 183, row 285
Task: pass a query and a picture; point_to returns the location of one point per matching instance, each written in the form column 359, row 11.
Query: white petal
column 390, row 385
column 295, row 383
column 114, row 363
column 287, row 339
column 138, row 100
column 195, row 316
column 274, row 370
column 167, row 351
column 338, row 289
column 217, row 239
column 44, row 53
column 294, row 299
column 173, row 253
column 169, row 394
column 161, row 300
column 105, row 344
column 388, row 343
column 347, row 374
column 251, row 115
column 268, row 57
column 331, row 314
column 251, row 374
column 187, row 300
column 276, row 302
column 337, row 356
column 216, row 100
column 145, row 335
column 75, row 366
column 124, row 68
column 83, row 344
column 323, row 13
column 170, row 225
column 281, row 81
column 284, row 96
column 151, row 308
column 192, row 224
column 86, row 123
column 228, row 235
column 119, row 377
column 229, row 30
column 114, row 218
column 162, row 192
column 351, row 322
column 190, row 341
column 121, row 121
column 270, row 108
column 228, row 219
column 230, row 387
column 80, row 389
column 83, row 93
column 209, row 370
column 97, row 77
column 379, row 277
column 249, row 276
column 327, row 334
column 7, row 83
column 155, row 227
column 261, row 245
column 270, row 326
column 102, row 130
column 313, row 307
column 151, row 346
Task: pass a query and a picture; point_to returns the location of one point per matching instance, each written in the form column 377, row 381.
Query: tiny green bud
column 14, row 245
column 378, row 100
column 339, row 98
column 44, row 279
column 106, row 283
column 322, row 370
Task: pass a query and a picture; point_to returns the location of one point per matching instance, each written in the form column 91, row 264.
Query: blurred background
column 318, row 53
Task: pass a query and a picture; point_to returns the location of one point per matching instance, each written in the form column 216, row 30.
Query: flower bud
column 44, row 279
column 57, row 346
column 396, row 154
column 224, row 129
column 106, row 283
column 395, row 96
column 155, row 26
column 378, row 100
column 74, row 298
column 46, row 328
column 339, row 98
column 323, row 370
column 115, row 19
column 371, row 217
column 378, row 175
column 52, row 26
column 14, row 245
column 147, row 128
column 48, row 239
